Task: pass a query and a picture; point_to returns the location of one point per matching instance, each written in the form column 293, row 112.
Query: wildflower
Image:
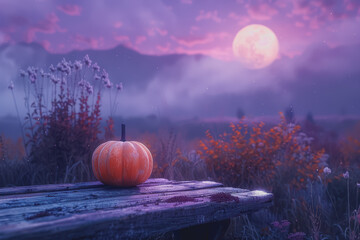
column 42, row 73
column 81, row 83
column 77, row 65
column 276, row 224
column 97, row 77
column 63, row 81
column 22, row 73
column 11, row 85
column 89, row 88
column 285, row 223
column 87, row 60
column 109, row 84
column 30, row 71
column 119, row 86
column 33, row 78
column 282, row 226
column 59, row 67
column 297, row 236
column 96, row 67
column 104, row 75
column 52, row 68
column 327, row 171
column 346, row 175
column 54, row 79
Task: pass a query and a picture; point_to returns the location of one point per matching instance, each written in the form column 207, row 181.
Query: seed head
column 11, row 85
column 87, row 60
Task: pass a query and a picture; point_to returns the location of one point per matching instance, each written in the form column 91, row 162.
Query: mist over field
column 323, row 81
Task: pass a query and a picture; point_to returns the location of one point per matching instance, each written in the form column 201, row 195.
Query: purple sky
column 177, row 26
column 317, row 69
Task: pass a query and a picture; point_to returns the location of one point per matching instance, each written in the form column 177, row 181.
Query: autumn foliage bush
column 250, row 156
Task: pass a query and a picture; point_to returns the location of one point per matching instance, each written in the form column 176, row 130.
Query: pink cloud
column 211, row 15
column 118, row 24
column 164, row 48
column 48, row 25
column 261, row 11
column 219, row 53
column 302, row 8
column 72, row 10
column 92, row 42
column 192, row 41
column 125, row 40
column 241, row 20
column 122, row 38
column 314, row 24
column 194, row 29
column 140, row 39
column 46, row 45
column 154, row 31
column 299, row 24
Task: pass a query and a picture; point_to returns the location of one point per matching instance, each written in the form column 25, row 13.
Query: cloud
column 118, row 24
column 140, row 39
column 85, row 41
column 193, row 40
column 261, row 11
column 207, row 87
column 49, row 25
column 187, row 86
column 210, row 15
column 72, row 10
column 12, row 58
column 156, row 30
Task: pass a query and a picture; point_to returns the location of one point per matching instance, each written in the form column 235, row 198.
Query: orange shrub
column 251, row 155
column 10, row 149
column 350, row 148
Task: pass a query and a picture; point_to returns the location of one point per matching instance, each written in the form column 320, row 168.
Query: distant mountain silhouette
column 123, row 64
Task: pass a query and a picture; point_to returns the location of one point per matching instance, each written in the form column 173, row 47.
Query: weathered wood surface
column 92, row 210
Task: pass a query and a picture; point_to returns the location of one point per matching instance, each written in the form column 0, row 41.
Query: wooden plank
column 136, row 222
column 66, row 186
column 44, row 198
column 62, row 209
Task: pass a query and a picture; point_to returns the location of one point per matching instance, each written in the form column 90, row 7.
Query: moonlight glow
column 256, row 46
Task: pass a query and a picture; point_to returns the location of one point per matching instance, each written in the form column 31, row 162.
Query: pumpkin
column 122, row 163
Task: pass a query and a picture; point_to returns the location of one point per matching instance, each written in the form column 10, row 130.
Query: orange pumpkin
column 122, row 163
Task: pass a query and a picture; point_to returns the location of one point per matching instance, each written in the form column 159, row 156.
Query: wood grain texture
column 94, row 211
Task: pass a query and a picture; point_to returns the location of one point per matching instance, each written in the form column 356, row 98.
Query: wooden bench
column 92, row 210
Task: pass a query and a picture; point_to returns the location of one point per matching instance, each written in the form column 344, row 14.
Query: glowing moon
column 255, row 46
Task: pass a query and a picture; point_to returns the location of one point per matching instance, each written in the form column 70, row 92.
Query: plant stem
column 20, row 125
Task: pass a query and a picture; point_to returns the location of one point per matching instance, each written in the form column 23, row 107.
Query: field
column 311, row 166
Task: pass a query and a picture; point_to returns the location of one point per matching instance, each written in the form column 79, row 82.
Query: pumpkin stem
column 123, row 132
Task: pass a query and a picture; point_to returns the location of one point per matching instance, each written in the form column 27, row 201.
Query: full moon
column 255, row 46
